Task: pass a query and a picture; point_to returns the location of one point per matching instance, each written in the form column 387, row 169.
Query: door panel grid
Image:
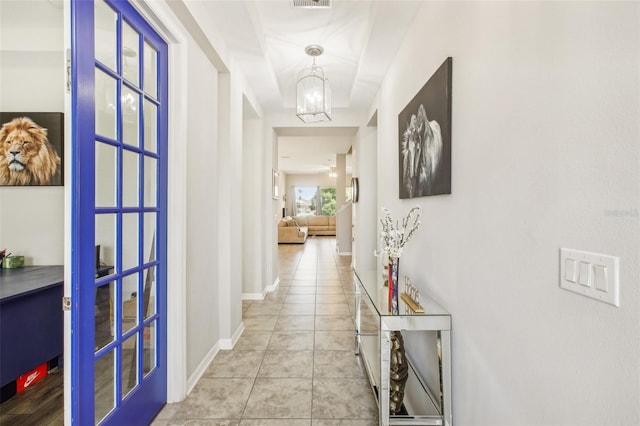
column 119, row 103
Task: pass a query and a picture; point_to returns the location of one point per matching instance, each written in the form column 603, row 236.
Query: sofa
column 318, row 225
column 289, row 231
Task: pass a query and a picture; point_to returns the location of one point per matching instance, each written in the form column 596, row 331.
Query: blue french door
column 119, row 202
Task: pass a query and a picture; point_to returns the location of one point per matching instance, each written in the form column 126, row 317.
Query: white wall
column 32, row 80
column 253, row 285
column 202, row 207
column 545, row 155
column 365, row 211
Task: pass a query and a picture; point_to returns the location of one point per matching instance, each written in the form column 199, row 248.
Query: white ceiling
column 267, row 39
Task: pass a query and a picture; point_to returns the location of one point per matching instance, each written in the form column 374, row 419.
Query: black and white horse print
column 421, row 151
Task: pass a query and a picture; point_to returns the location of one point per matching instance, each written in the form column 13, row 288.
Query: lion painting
column 26, row 157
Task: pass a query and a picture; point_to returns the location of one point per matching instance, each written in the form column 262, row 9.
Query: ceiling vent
column 312, row 4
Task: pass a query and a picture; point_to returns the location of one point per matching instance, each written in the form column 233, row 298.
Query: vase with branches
column 394, row 235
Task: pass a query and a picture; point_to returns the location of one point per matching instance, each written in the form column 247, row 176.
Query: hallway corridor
column 294, row 365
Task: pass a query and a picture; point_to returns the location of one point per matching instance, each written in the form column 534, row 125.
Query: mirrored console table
column 425, row 402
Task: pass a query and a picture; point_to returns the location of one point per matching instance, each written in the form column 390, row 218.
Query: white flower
column 394, row 237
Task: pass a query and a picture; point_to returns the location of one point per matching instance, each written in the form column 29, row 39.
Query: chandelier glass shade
column 313, row 92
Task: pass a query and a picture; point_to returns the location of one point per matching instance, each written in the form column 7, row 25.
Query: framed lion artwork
column 31, row 148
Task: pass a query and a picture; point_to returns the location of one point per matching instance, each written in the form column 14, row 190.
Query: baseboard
column 228, row 344
column 252, row 296
column 202, row 367
column 275, row 285
column 344, row 253
column 258, row 296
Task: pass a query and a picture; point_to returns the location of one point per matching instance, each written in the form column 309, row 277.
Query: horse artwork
column 424, row 127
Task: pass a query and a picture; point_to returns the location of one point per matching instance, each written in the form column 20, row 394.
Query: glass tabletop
column 375, row 289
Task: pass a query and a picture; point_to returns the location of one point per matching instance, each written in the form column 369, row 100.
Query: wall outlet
column 591, row 274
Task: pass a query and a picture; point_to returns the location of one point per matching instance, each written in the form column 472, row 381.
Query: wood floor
column 40, row 405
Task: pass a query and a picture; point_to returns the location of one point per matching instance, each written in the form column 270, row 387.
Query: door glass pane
column 129, row 364
column 150, row 126
column 150, row 70
column 130, row 54
column 149, row 250
column 106, row 158
column 104, row 324
column 105, row 34
column 150, row 298
column 130, row 178
column 130, row 117
column 129, row 302
column 149, row 342
column 106, row 237
column 129, row 240
column 104, row 385
column 150, row 181
column 105, row 105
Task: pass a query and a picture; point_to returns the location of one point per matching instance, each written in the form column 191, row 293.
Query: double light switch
column 590, row 274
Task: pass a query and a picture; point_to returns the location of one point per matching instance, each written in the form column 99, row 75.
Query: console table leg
column 385, row 362
column 445, row 344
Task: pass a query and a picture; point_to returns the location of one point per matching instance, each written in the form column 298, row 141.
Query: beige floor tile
column 305, row 275
column 295, row 322
column 253, row 341
column 326, row 323
column 334, row 341
column 215, row 398
column 275, row 298
column 337, row 365
column 297, row 309
column 329, row 283
column 333, row 309
column 331, row 298
column 343, row 422
column 235, row 363
column 275, row 422
column 330, row 290
column 265, row 322
column 279, row 398
column 343, row 399
column 167, row 411
column 301, row 290
column 197, row 422
column 291, row 341
column 263, row 308
column 284, row 364
column 300, row 298
column 303, row 282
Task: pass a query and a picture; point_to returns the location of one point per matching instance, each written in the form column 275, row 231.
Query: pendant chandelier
column 313, row 91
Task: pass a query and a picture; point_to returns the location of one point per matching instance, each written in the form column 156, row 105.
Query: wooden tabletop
column 20, row 282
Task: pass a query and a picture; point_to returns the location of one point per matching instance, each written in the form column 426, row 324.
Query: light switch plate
column 593, row 275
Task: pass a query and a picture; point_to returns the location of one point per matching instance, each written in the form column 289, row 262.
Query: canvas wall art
column 424, row 127
column 31, row 148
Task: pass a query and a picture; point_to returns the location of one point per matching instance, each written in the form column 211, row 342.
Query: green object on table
column 11, row 262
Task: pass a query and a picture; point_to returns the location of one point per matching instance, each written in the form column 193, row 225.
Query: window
column 328, row 201
column 308, row 198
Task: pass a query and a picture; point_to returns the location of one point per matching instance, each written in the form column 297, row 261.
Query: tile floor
column 294, row 364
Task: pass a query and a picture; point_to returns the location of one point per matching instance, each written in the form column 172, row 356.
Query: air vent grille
column 312, row 4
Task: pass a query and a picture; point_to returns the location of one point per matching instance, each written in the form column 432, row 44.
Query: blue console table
column 31, row 319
